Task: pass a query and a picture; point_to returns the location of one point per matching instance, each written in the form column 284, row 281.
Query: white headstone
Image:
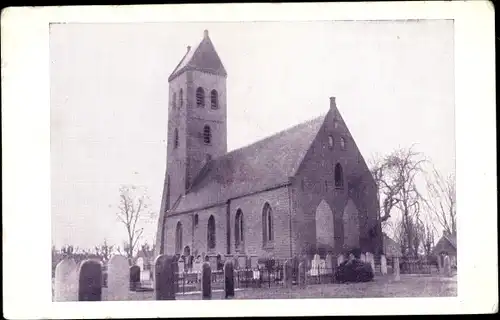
column 383, row 265
column 371, row 259
column 180, row 264
column 145, row 276
column 396, row 269
column 66, row 281
column 340, row 259
column 362, row 257
column 447, row 266
column 140, row 263
column 315, row 265
column 118, row 278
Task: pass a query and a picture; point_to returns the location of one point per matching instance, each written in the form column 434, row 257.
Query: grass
column 408, row 286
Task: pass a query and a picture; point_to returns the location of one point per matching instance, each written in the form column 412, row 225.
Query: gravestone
column 340, row 259
column 198, row 263
column 140, row 263
column 181, row 265
column 440, row 264
column 447, row 266
column 362, row 257
column 396, row 269
column 66, row 281
column 165, row 278
column 383, row 265
column 90, row 281
column 242, row 262
column 315, row 265
column 287, row 276
column 322, row 267
column 206, row 282
column 135, row 277
column 229, row 279
column 371, row 260
column 118, row 278
column 329, row 263
column 302, row 275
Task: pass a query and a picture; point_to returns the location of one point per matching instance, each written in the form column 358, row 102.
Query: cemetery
column 353, row 274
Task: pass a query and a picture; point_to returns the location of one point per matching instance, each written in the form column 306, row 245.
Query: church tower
column 197, row 118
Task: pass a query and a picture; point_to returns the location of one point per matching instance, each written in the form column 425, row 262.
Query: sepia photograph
column 253, row 160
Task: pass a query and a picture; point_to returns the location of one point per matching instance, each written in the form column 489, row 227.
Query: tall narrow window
column 178, row 237
column 267, row 224
column 174, row 100
column 207, row 135
column 211, row 233
column 342, row 143
column 176, row 138
column 195, row 220
column 214, row 99
column 330, row 142
column 238, row 229
column 339, row 176
column 200, row 97
column 181, row 98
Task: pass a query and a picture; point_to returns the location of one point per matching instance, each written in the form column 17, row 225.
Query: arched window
column 181, row 98
column 195, row 220
column 211, row 233
column 342, row 143
column 214, row 99
column 238, row 229
column 330, row 142
column 176, row 138
column 174, row 100
column 339, row 176
column 200, row 97
column 207, row 135
column 267, row 224
column 178, row 237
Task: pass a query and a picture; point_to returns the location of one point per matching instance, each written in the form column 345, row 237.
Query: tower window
column 207, row 135
column 195, row 220
column 181, row 98
column 178, row 237
column 214, row 99
column 339, row 176
column 343, row 143
column 200, row 97
column 211, row 233
column 176, row 138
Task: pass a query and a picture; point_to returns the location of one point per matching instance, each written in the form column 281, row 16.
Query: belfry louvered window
column 200, row 97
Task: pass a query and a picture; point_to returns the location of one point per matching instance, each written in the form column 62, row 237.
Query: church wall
column 315, row 182
column 252, row 207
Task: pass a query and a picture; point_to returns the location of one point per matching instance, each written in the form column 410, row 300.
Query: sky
column 393, row 82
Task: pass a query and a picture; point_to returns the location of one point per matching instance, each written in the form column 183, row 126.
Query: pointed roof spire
column 203, row 57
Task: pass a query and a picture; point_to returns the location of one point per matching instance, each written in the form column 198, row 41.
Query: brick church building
column 301, row 190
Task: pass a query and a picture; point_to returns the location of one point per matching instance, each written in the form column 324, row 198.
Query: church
column 304, row 190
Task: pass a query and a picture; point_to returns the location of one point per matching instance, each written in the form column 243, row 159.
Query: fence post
column 229, row 279
column 90, row 281
column 165, row 278
column 302, row 275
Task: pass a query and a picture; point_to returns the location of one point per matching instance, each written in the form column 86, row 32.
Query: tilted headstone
column 447, row 266
column 287, row 273
column 165, row 278
column 206, row 282
column 90, row 281
column 66, row 281
column 140, row 263
column 118, row 278
column 383, row 265
column 229, row 279
column 397, row 277
column 135, row 277
column 340, row 259
column 302, row 275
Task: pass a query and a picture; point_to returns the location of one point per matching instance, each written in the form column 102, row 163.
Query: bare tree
column 104, row 250
column 441, row 200
column 133, row 208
